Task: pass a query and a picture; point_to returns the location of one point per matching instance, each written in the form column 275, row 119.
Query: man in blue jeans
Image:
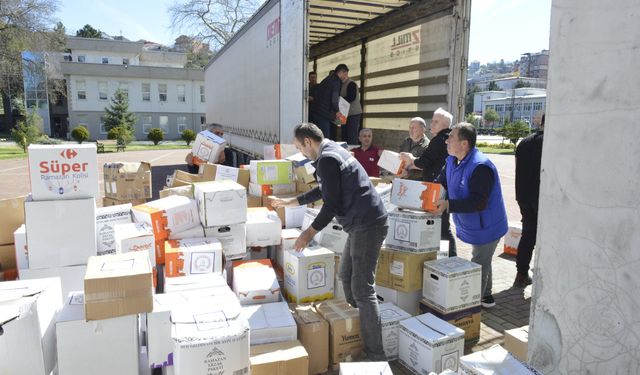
column 474, row 200
column 349, row 196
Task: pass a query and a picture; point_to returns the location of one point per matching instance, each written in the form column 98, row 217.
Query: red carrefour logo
column 68, row 153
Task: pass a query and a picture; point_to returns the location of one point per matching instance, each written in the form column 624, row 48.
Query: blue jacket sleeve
column 480, row 186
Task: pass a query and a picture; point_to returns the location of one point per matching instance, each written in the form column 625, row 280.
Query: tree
column 155, row 135
column 491, row 116
column 212, row 21
column 80, row 134
column 188, row 136
column 27, row 131
column 472, row 119
column 513, row 131
column 122, row 135
column 493, row 86
column 520, row 83
column 117, row 114
column 468, row 105
column 89, row 32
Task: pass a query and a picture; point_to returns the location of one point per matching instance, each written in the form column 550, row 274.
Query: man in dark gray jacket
column 323, row 110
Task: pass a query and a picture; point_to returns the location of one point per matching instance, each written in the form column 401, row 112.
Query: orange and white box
column 135, row 237
column 391, row 161
column 512, row 238
column 168, row 215
column 279, row 151
column 416, row 195
column 255, row 282
column 192, row 256
column 63, row 172
column 207, row 148
column 278, row 189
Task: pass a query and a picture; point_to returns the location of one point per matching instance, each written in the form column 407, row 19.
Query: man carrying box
column 475, row 200
column 349, row 196
column 194, row 168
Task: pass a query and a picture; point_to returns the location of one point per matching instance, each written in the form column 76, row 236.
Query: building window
column 105, row 60
column 537, row 106
column 162, row 92
column 182, row 123
column 103, row 128
column 81, row 87
column 203, row 122
column 102, row 90
column 526, row 106
column 181, row 95
column 82, row 121
column 499, row 107
column 125, row 61
column 146, row 92
column 146, row 124
column 201, row 94
column 81, row 58
column 164, row 124
column 491, row 106
column 124, row 87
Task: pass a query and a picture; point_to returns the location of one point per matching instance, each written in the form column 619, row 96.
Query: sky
column 500, row 29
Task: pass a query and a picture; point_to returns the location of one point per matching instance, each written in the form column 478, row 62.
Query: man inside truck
column 218, row 130
column 349, row 196
column 323, row 109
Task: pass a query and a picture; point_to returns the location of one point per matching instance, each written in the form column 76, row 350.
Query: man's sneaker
column 488, row 301
column 522, row 280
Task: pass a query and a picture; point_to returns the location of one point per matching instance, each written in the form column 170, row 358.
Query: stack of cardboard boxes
column 13, row 252
column 126, row 183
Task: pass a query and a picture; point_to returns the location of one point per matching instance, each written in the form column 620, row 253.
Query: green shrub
column 155, row 135
column 80, row 134
column 121, row 134
column 27, row 131
column 188, row 136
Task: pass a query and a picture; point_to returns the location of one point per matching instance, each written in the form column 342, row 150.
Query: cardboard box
column 106, row 202
column 516, row 342
column 345, row 343
column 430, row 344
column 168, row 215
column 106, row 219
column 21, row 250
column 416, row 195
column 413, row 231
column 185, row 191
column 217, row 172
column 192, row 282
column 384, row 191
column 192, row 256
column 221, row 202
column 270, row 322
column 254, row 281
column 283, row 358
column 338, row 287
column 333, row 236
column 63, row 171
column 512, row 238
column 390, row 318
column 8, row 257
column 82, row 345
column 391, row 161
column 207, row 148
column 279, row 151
column 60, row 232
column 117, row 285
column 209, row 341
column 407, row 301
column 195, row 232
column 313, row 333
column 401, row 271
column 135, row 237
column 276, row 189
column 127, row 181
column 288, row 239
column 309, row 274
column 232, row 237
column 71, row 277
column 359, row 368
column 180, row 178
column 495, row 360
column 467, row 320
column 28, row 340
column 11, row 219
column 451, row 284
column 269, row 172
column 291, row 217
column 263, row 227
column 253, row 201
column 305, row 173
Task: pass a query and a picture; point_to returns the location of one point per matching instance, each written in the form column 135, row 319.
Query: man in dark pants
column 431, row 162
column 350, row 93
column 349, row 196
column 323, row 109
column 528, row 159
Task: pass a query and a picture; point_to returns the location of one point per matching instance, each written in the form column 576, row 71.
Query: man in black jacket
column 528, row 159
column 323, row 109
column 431, row 162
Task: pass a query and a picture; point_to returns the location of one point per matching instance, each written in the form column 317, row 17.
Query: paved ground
column 511, row 311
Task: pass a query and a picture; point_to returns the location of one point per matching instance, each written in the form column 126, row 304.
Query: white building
column 162, row 93
column 511, row 105
column 509, row 83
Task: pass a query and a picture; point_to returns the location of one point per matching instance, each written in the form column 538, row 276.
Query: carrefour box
column 516, row 341
column 428, row 344
column 269, row 172
column 63, row 171
column 391, row 161
column 135, row 237
column 390, row 318
column 359, row 368
column 20, row 244
column 270, row 322
column 12, row 217
column 117, row 285
column 106, row 219
column 400, row 270
column 413, row 231
column 288, row 239
column 207, row 148
column 28, row 340
column 192, row 256
column 416, row 195
column 281, row 358
column 232, row 237
column 309, row 274
column 127, row 181
column 467, row 320
column 407, row 301
column 495, row 360
column 254, row 281
column 512, row 238
column 345, row 343
column 71, row 277
column 217, row 172
column 263, row 227
column 451, row 284
column 313, row 333
column 167, row 215
column 82, row 344
column 279, row 151
column 60, row 232
column 221, row 202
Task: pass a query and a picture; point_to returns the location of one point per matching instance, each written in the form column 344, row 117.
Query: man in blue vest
column 349, row 196
column 475, row 201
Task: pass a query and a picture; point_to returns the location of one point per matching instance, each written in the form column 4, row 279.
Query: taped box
column 192, row 256
column 221, row 202
column 63, row 172
column 282, row 358
column 71, row 277
column 467, row 320
column 207, row 148
column 413, row 231
column 127, row 181
column 390, row 318
column 401, row 271
column 495, row 360
column 451, row 284
column 516, row 342
column 217, row 172
column 275, row 189
column 313, row 333
column 106, row 219
column 345, row 343
column 269, row 172
column 391, row 161
column 333, row 236
column 269, row 323
column 512, row 238
column 232, row 237
column 263, row 227
column 192, row 282
column 167, row 215
column 12, row 217
column 185, row 191
column 288, row 239
column 416, row 195
column 254, row 282
column 309, row 274
column 135, row 237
